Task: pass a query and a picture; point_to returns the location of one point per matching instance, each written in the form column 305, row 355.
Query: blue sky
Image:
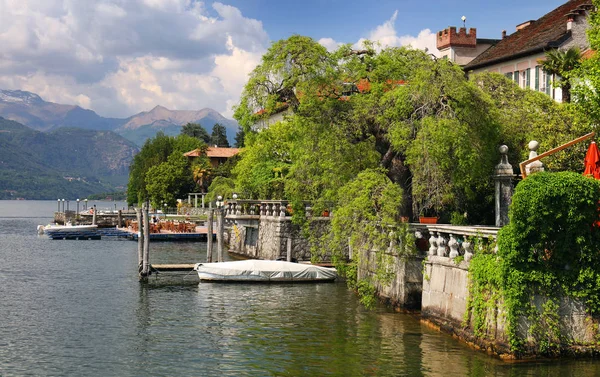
column 121, row 57
column 347, row 21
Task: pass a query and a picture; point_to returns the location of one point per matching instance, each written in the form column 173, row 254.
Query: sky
column 121, row 57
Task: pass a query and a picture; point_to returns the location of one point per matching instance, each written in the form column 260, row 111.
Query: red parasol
column 592, row 161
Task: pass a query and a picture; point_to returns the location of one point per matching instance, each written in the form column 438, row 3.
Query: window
column 524, row 80
column 543, row 81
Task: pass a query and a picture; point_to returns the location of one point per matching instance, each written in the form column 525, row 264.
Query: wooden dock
column 199, row 234
column 173, row 267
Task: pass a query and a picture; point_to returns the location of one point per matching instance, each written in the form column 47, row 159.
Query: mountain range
column 66, row 162
column 31, row 110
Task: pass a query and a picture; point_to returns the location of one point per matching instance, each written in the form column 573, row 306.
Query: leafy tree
column 560, row 63
column 197, row 131
column 155, row 152
column 169, row 180
column 396, row 94
column 219, row 136
column 221, row 186
column 239, row 138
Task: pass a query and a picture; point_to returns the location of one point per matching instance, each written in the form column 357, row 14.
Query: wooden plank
column 174, row 267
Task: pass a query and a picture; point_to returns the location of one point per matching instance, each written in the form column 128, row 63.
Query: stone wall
column 445, row 299
column 266, row 237
column 404, row 290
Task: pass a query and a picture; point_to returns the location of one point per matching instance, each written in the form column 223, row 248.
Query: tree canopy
column 219, row 136
column 159, row 172
column 197, row 131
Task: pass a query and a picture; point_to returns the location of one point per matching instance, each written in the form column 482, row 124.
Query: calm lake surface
column 76, row 308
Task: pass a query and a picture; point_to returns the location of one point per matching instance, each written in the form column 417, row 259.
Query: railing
column 275, row 208
column 453, row 241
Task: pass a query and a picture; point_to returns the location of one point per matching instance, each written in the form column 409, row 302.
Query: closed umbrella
column 592, row 161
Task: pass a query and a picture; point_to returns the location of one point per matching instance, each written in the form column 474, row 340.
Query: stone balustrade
column 273, row 208
column 452, row 241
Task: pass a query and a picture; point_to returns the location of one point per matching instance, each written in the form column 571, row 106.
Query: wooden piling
column 220, row 230
column 289, row 249
column 146, row 257
column 93, row 216
column 119, row 219
column 138, row 214
column 209, row 235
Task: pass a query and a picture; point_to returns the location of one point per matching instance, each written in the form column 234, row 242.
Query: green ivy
column 549, row 249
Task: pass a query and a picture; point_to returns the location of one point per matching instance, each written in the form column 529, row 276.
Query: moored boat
column 255, row 270
column 69, row 231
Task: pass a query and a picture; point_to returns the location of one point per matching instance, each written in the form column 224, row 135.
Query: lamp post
column 85, row 200
column 63, row 205
column 219, row 201
column 77, row 206
column 165, row 211
column 58, row 200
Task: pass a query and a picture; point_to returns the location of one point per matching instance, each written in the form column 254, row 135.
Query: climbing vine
column 548, row 251
column 365, row 220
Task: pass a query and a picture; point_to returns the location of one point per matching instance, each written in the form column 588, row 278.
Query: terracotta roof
column 194, row 153
column 222, row 152
column 550, row 31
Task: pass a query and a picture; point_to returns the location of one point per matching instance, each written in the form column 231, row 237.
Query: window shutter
column 547, row 83
column 528, row 85
column 516, row 77
column 537, row 77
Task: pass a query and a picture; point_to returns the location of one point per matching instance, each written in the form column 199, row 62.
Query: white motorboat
column 69, row 231
column 255, row 270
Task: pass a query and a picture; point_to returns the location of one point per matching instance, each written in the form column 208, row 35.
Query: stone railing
column 453, row 241
column 275, row 208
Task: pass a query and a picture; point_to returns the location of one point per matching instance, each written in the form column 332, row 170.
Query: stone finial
column 535, row 166
column 504, row 167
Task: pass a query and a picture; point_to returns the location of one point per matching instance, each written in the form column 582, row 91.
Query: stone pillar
column 535, row 166
column 504, row 186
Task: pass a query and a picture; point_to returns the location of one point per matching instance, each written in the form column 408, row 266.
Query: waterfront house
column 519, row 55
column 216, row 155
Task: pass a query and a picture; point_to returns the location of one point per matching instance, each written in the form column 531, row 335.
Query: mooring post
column 209, row 235
column 289, row 249
column 146, row 262
column 119, row 218
column 138, row 215
column 93, row 216
column 220, row 235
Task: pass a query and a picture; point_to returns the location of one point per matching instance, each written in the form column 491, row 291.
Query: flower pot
column 325, row 214
column 428, row 220
column 404, row 219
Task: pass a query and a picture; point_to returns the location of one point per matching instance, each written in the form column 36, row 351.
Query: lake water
column 76, row 308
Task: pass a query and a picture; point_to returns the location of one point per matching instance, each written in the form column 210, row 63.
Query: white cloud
column 386, row 36
column 120, row 57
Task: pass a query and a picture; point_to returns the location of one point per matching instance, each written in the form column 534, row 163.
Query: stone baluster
column 468, row 248
column 433, row 243
column 252, row 209
column 441, row 250
column 453, row 245
column 229, row 209
column 281, row 209
column 270, row 209
column 308, row 210
column 263, row 210
column 238, row 208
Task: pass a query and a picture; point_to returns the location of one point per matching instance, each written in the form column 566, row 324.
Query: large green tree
column 156, row 152
column 349, row 106
column 197, row 131
column 219, row 136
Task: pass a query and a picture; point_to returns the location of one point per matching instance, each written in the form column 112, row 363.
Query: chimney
column 503, row 34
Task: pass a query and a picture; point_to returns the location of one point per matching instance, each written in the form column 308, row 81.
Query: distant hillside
column 66, row 162
column 144, row 125
column 31, row 110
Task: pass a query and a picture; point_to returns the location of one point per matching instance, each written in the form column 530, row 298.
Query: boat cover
column 263, row 270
